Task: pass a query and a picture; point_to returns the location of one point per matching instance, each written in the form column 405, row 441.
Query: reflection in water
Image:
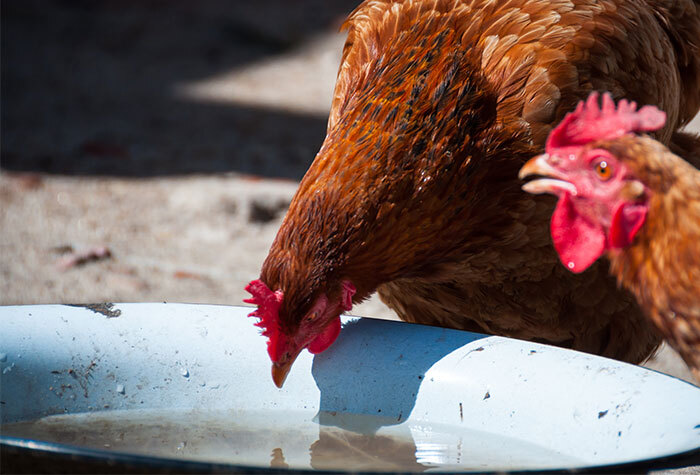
column 289, row 439
column 278, row 459
column 363, row 452
column 276, row 439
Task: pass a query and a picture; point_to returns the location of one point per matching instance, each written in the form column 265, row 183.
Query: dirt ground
column 173, row 134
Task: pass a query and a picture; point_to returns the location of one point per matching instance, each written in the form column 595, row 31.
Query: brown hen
column 629, row 198
column 415, row 194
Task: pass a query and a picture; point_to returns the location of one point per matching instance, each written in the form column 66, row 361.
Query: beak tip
column 279, row 373
column 532, row 166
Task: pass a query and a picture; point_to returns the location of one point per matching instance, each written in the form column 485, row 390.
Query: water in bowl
column 283, row 439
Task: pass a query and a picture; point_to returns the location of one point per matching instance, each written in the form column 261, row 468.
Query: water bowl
column 187, row 388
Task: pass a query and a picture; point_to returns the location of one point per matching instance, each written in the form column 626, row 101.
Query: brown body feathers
column 414, row 192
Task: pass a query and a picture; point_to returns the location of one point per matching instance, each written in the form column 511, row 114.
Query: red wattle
column 577, row 241
column 325, row 339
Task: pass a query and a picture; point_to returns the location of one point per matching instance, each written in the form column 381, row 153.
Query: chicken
column 414, row 192
column 630, row 198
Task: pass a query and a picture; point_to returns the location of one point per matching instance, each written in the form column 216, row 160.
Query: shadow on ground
column 87, row 86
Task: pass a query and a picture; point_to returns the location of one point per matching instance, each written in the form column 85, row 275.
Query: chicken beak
column 280, row 371
column 554, row 184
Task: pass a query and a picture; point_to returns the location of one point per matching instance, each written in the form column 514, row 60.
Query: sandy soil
column 173, row 134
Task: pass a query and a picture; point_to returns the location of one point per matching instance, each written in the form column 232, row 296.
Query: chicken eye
column 311, row 317
column 603, row 170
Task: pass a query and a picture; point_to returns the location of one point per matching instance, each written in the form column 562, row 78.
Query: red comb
column 591, row 122
column 268, row 303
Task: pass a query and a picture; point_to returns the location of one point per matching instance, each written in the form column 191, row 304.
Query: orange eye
column 311, row 317
column 603, row 170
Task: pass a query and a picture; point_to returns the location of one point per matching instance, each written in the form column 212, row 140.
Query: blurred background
column 170, row 135
column 149, row 149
